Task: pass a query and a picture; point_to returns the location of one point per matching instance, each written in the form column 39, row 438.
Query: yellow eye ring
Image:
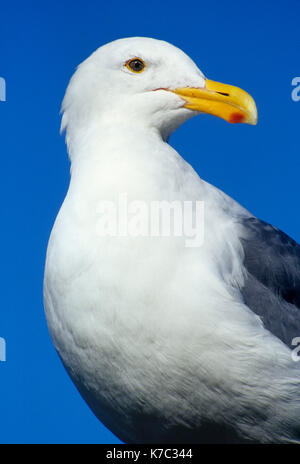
column 136, row 65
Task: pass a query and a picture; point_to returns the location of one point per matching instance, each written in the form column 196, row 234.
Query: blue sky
column 254, row 45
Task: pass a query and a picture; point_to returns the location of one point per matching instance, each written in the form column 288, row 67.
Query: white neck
column 125, row 158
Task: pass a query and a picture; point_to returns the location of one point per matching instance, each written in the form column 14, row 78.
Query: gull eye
column 136, row 65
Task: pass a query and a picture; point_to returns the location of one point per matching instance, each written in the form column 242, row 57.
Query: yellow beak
column 226, row 101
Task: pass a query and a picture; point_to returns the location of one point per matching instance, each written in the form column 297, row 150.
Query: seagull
column 166, row 340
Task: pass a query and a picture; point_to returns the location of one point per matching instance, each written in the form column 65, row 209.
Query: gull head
column 143, row 82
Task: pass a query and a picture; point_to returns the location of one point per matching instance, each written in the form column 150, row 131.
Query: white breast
column 145, row 324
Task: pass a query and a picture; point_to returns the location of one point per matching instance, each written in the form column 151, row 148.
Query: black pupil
column 136, row 65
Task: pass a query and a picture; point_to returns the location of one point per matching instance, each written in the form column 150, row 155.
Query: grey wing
column 272, row 285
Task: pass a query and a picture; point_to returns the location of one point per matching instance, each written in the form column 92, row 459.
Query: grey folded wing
column 272, row 285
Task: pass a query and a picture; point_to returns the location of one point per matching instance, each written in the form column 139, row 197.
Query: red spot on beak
column 236, row 117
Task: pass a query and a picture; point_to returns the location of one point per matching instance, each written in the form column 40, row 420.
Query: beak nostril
column 223, row 93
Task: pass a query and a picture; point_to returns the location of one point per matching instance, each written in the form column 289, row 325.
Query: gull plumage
column 165, row 343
